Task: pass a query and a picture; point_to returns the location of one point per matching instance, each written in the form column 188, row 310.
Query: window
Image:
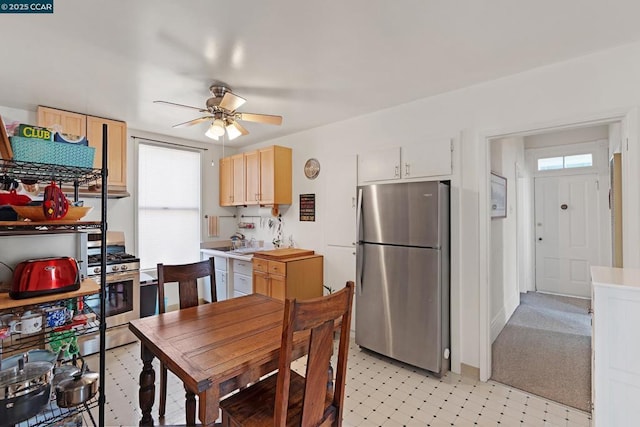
column 168, row 206
column 565, row 162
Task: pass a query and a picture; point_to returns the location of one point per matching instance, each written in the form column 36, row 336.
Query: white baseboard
column 500, row 320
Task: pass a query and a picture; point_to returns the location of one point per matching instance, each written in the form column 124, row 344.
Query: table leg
column 147, row 392
column 190, row 407
column 209, row 401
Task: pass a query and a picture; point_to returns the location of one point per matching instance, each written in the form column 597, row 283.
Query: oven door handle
column 122, row 276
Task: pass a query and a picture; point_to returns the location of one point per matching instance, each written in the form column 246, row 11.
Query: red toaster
column 45, row 276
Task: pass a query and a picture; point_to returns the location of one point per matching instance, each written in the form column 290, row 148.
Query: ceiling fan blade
column 235, row 129
column 180, row 105
column 231, row 101
column 193, row 122
column 261, row 118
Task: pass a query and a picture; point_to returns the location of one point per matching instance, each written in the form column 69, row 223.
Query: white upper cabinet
column 432, row 158
column 340, row 208
column 420, row 160
column 379, row 165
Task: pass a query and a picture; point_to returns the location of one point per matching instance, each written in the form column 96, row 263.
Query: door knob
column 564, row 206
column 540, row 238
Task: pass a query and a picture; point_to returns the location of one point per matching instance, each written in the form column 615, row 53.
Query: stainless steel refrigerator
column 402, row 289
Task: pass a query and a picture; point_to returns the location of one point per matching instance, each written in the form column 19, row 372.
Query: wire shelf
column 52, row 413
column 16, row 343
column 46, row 172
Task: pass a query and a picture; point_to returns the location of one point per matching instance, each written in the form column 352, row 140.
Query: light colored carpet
column 545, row 349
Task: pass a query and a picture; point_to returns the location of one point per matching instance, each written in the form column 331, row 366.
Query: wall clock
column 312, row 168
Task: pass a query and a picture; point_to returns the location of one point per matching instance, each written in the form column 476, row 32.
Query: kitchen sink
column 244, row 251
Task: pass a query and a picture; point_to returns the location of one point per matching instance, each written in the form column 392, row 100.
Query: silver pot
column 24, row 390
column 77, row 389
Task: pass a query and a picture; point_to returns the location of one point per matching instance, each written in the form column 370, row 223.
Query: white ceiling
column 313, row 62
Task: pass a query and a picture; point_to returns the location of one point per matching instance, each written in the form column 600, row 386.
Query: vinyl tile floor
column 379, row 392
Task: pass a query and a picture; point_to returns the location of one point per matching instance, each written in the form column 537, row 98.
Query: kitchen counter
column 243, row 256
column 616, row 277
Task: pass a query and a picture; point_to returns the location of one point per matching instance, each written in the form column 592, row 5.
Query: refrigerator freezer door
column 398, row 309
column 400, row 214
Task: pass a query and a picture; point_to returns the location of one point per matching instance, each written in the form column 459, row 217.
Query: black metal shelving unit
column 76, row 176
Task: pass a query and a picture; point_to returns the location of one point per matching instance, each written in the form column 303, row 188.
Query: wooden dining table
column 213, row 348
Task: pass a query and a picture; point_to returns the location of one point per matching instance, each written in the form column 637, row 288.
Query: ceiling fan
column 221, row 112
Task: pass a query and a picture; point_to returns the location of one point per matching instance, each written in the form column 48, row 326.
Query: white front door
column 566, row 230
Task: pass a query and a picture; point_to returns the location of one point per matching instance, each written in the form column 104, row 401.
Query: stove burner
column 112, row 258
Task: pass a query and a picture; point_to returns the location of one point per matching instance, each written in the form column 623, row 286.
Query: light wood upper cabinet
column 72, row 123
column 260, row 177
column 117, row 140
column 275, row 176
column 237, row 163
column 80, row 125
column 226, row 182
column 252, row 175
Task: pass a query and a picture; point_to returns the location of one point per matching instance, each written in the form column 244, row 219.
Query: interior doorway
column 559, row 226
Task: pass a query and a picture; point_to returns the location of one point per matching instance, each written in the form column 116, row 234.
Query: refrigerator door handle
column 360, row 266
column 359, row 216
column 359, row 249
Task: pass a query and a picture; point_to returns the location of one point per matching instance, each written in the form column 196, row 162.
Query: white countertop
column 615, row 277
column 227, row 254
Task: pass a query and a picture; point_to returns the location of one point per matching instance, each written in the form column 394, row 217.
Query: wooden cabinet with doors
column 232, row 180
column 288, row 273
column 259, row 177
column 81, row 124
column 268, row 176
column 237, row 165
column 226, row 181
column 252, row 176
column 117, row 160
column 71, row 123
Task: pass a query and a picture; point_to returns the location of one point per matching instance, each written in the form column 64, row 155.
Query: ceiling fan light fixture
column 232, row 131
column 216, row 129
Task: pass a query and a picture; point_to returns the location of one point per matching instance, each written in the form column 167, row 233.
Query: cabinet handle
column 353, row 202
column 406, row 169
column 397, row 175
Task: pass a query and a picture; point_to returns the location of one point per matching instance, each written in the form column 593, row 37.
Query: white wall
column 564, row 137
column 506, row 153
column 594, row 86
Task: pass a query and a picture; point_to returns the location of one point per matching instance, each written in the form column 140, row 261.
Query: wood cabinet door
column 278, row 287
column 237, row 162
column 117, row 139
column 226, row 182
column 252, row 174
column 267, row 190
column 260, row 283
column 72, row 123
column 430, row 158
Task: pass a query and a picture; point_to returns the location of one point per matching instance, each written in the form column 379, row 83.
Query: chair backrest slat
column 186, row 276
column 319, row 315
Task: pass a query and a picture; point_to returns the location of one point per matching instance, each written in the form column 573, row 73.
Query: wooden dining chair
column 287, row 398
column 186, row 276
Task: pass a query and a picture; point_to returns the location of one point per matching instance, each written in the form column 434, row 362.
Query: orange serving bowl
column 35, row 213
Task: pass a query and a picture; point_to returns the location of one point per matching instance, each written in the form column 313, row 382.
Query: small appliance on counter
column 45, row 276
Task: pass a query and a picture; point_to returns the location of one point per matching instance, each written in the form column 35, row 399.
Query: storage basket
column 53, row 153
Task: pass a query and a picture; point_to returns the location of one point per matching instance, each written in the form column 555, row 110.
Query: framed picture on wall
column 498, row 196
